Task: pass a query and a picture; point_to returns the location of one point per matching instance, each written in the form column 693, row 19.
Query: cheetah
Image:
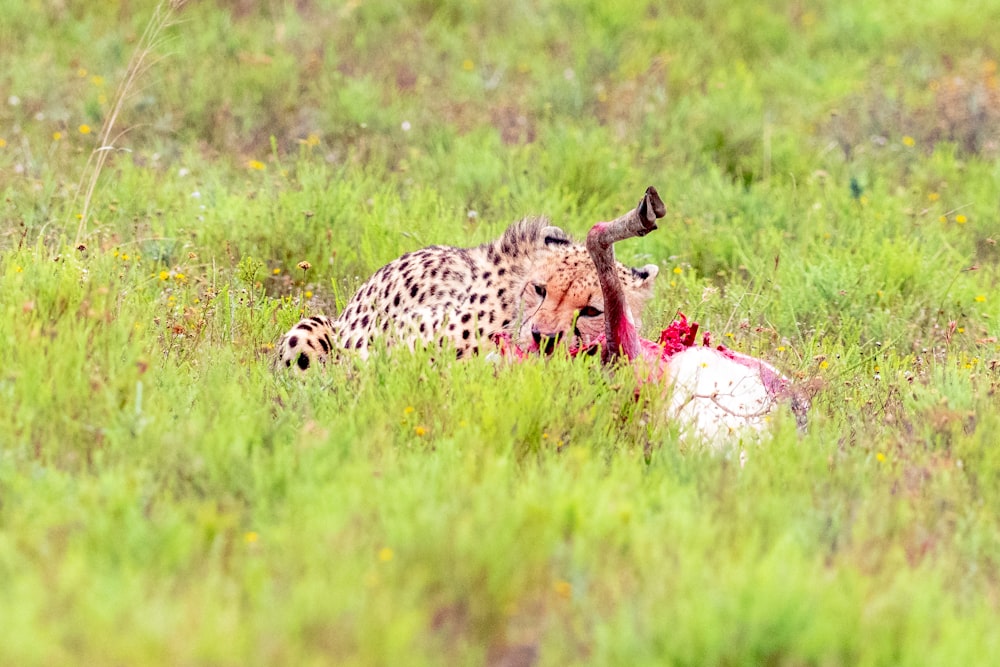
column 533, row 285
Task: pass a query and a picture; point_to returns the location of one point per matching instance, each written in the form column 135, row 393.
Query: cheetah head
column 562, row 301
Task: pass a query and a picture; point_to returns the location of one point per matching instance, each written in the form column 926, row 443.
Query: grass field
column 166, row 497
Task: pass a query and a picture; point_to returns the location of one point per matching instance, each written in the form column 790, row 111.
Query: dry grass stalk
column 152, row 37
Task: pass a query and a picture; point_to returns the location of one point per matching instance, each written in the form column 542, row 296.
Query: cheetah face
column 562, row 300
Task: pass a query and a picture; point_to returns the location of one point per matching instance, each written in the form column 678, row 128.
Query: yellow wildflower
column 563, row 589
column 84, row 129
column 880, row 457
column 276, row 272
column 385, row 554
column 3, row 142
column 164, row 275
column 909, row 141
column 678, row 270
column 933, row 196
column 961, row 219
column 980, row 298
column 408, row 410
column 420, row 431
column 251, row 537
column 97, row 80
column 256, row 164
column 56, row 136
column 468, row 65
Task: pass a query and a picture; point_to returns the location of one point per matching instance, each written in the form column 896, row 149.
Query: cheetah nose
column 546, row 342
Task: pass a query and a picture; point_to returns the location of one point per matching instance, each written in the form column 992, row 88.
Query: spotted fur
column 533, row 283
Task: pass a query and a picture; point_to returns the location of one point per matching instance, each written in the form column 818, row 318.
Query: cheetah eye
column 540, row 290
column 590, row 311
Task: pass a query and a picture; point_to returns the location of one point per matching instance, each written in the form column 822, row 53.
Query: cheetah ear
column 644, row 277
column 554, row 236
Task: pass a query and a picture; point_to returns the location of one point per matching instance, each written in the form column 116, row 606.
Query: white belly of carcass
column 715, row 398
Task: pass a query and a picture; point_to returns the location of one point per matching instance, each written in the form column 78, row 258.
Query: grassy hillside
column 831, row 174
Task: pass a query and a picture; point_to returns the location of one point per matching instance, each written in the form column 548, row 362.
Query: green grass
column 167, row 498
